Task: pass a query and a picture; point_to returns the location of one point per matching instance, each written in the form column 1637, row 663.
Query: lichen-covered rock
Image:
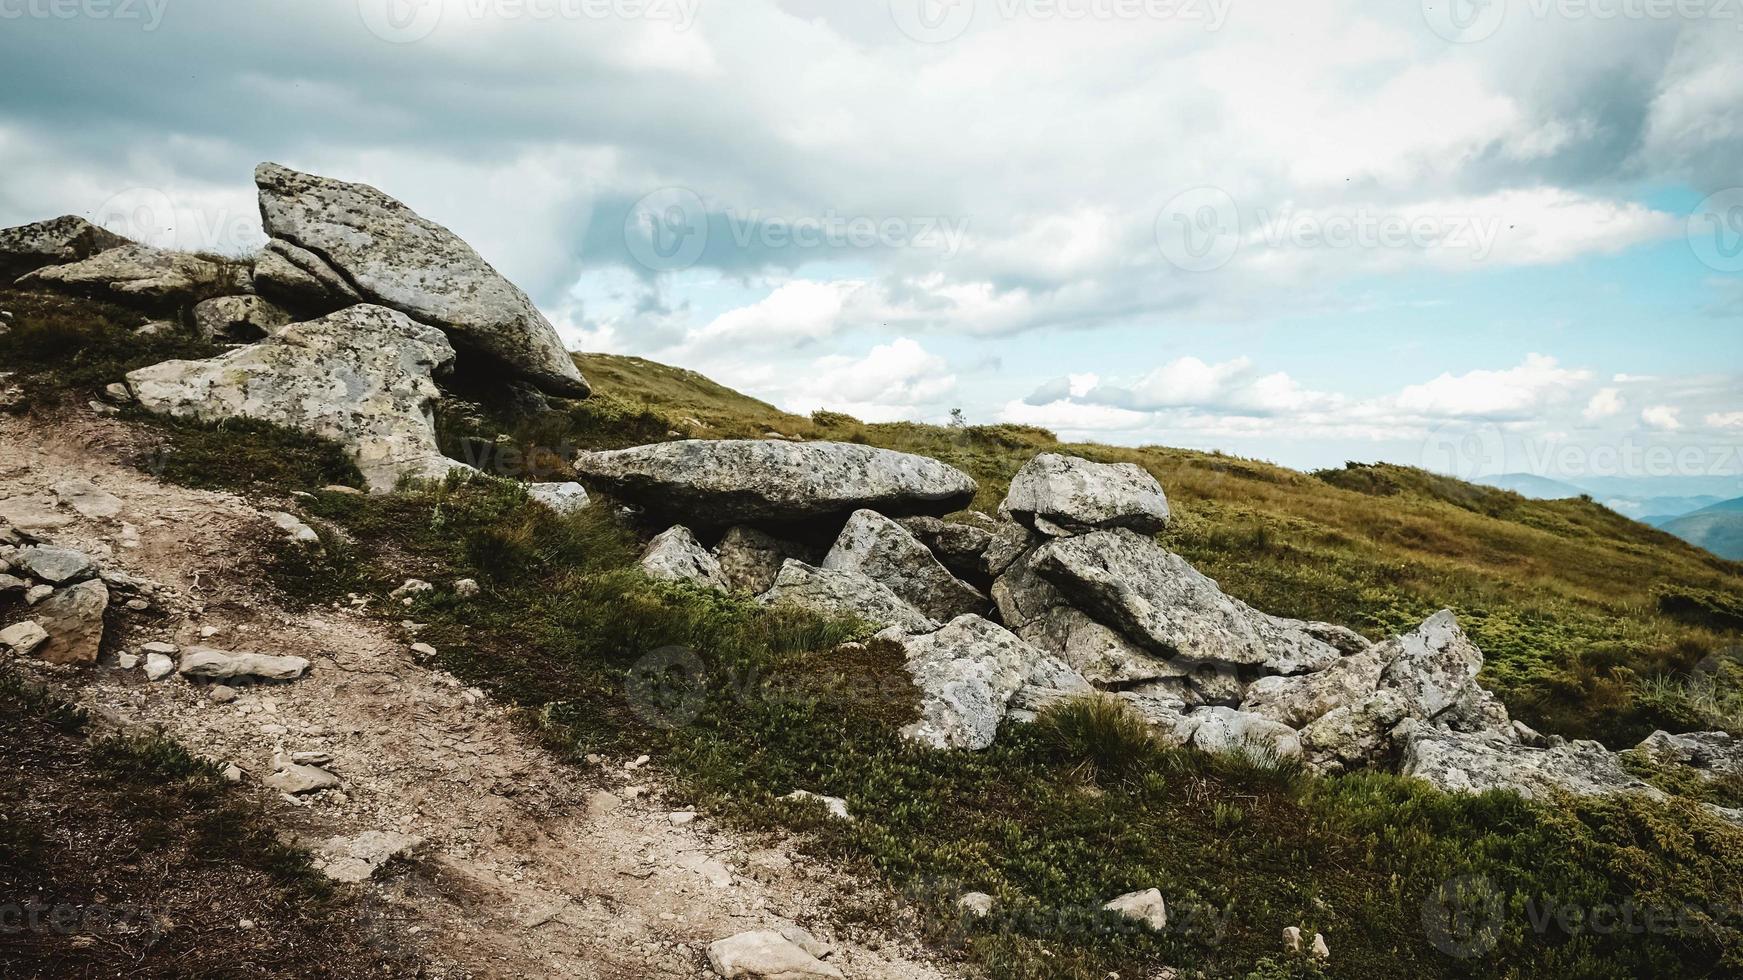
column 1711, row 755
column 139, row 275
column 1356, row 734
column 1059, row 495
column 1432, row 666
column 242, row 319
column 1223, row 729
column 390, row 255
column 73, row 618
column 1458, row 762
column 834, row 592
column 960, row 545
column 360, row 377
column 734, row 481
column 57, row 241
column 884, row 551
column 674, row 555
column 564, row 498
column 299, row 279
column 1145, row 907
column 751, row 558
column 968, row 673
column 55, row 565
column 1299, row 700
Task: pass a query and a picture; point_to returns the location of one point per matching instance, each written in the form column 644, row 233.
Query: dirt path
column 527, row 867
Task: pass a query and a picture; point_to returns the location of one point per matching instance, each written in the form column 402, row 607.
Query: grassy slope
column 1563, row 595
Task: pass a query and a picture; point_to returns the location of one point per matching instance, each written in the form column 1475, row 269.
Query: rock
column 1457, row 762
column 55, row 565
column 564, row 498
column 301, row 280
column 294, row 528
column 1144, row 907
column 410, row 587
column 960, row 545
column 880, row 549
column 56, row 241
column 221, row 693
column 221, row 665
column 836, row 806
column 139, row 275
column 158, row 666
column 1156, row 599
column 1102, row 656
column 357, row 858
column 37, row 593
column 1354, row 735
column 1432, row 666
column 674, row 555
column 766, row 953
column 117, row 392
column 1297, row 701
column 423, row 649
column 392, row 256
column 750, row 559
column 1225, row 730
column 1059, row 495
column 1319, row 950
column 734, row 481
column 241, row 319
column 73, row 617
column 1292, row 939
column 1010, row 541
column 1478, row 710
column 977, row 904
column 968, row 672
column 12, row 583
column 681, row 818
column 838, row 593
column 466, row 588
column 360, row 377
column 295, row 778
column 1712, row 755
column 22, row 639
column 1527, row 735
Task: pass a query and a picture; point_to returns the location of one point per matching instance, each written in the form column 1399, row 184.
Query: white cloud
column 1607, row 402
column 1513, row 393
column 893, row 381
column 1725, row 420
column 1661, row 417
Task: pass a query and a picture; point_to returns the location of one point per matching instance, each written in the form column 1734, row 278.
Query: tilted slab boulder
column 57, row 241
column 139, row 275
column 1433, row 666
column 883, row 550
column 1060, row 495
column 733, row 481
column 360, row 377
column 960, row 545
column 834, row 592
column 969, row 672
column 674, row 555
column 389, row 255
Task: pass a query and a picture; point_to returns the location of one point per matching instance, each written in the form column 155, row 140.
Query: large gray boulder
column 1459, row 762
column 139, row 275
column 1156, row 599
column 301, row 280
column 968, row 674
column 57, row 241
column 388, row 254
column 733, row 481
column 1432, row 666
column 360, row 377
column 883, row 550
column 1059, row 495
column 834, row 592
column 1302, row 699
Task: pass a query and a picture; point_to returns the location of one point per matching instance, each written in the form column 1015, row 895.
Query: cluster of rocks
column 341, row 324
column 1066, row 593
column 60, row 598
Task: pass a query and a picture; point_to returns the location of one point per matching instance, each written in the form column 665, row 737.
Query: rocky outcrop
column 57, row 241
column 736, row 481
column 840, row 593
column 879, row 548
column 1059, row 495
column 1459, row 762
column 142, row 276
column 1433, row 666
column 674, row 555
column 360, row 377
column 968, row 673
column 961, row 545
column 300, row 280
column 1225, row 730
column 238, row 319
column 1710, row 755
column 388, row 254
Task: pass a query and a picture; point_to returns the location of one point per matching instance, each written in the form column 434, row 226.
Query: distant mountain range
column 1705, row 520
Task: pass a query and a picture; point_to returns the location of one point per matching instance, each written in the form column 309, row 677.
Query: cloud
column 899, row 380
column 1724, row 420
column 1662, row 417
column 1604, row 404
column 1514, row 393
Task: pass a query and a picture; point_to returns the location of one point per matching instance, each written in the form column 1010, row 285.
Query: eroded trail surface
column 525, row 866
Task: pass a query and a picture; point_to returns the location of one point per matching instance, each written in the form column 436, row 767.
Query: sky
column 1479, row 236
